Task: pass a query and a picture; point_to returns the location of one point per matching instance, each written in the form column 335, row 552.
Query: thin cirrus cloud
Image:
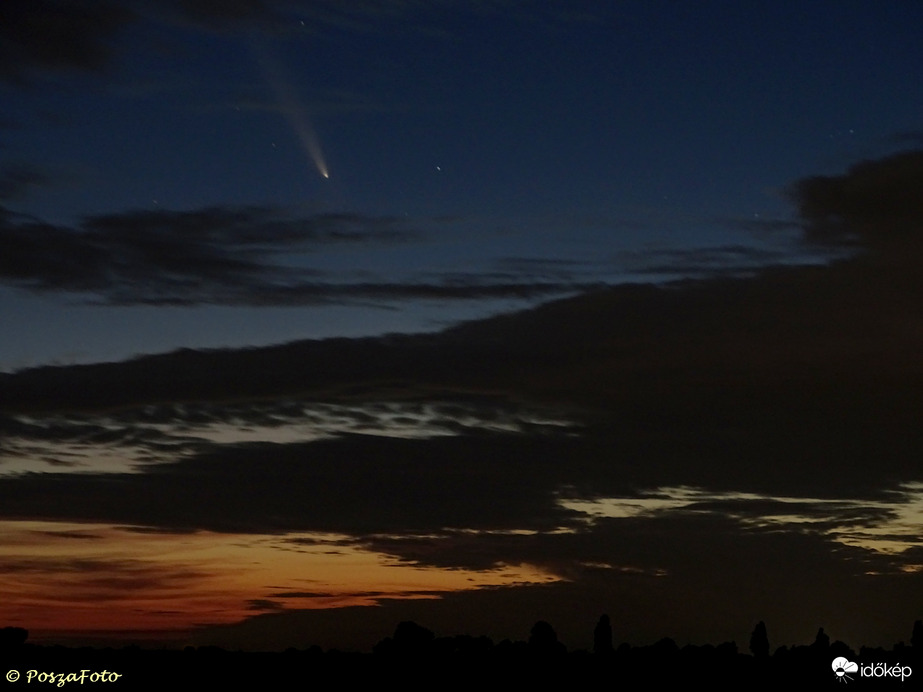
column 43, row 35
column 17, row 179
column 243, row 256
column 709, row 261
column 126, row 441
column 212, row 255
column 46, row 36
column 224, row 256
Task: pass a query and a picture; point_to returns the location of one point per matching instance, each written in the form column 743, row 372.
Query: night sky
column 319, row 316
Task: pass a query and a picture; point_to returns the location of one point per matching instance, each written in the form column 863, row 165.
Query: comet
column 293, row 109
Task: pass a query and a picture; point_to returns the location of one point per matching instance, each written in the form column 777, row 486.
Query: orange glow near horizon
column 60, row 578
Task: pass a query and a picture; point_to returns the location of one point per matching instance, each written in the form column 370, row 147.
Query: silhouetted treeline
column 415, row 657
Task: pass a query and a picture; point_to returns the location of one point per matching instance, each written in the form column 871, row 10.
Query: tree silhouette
column 759, row 641
column 821, row 641
column 544, row 640
column 12, row 637
column 602, row 636
column 411, row 637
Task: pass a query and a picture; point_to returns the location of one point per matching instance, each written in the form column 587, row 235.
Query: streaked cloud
column 213, row 255
column 17, row 179
column 47, row 35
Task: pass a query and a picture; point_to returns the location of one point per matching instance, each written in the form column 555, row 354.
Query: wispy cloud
column 726, row 260
column 17, row 179
column 232, row 256
column 213, row 255
column 44, row 35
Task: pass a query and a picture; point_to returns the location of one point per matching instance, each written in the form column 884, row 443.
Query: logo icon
column 843, row 667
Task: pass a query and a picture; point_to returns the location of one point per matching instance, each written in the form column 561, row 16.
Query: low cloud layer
column 876, row 205
column 225, row 256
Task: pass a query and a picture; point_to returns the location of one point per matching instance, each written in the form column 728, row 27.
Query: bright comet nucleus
column 292, row 108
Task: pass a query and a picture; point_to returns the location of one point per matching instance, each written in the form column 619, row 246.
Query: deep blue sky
column 511, row 151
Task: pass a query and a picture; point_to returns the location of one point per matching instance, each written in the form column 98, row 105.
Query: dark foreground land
column 414, row 659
